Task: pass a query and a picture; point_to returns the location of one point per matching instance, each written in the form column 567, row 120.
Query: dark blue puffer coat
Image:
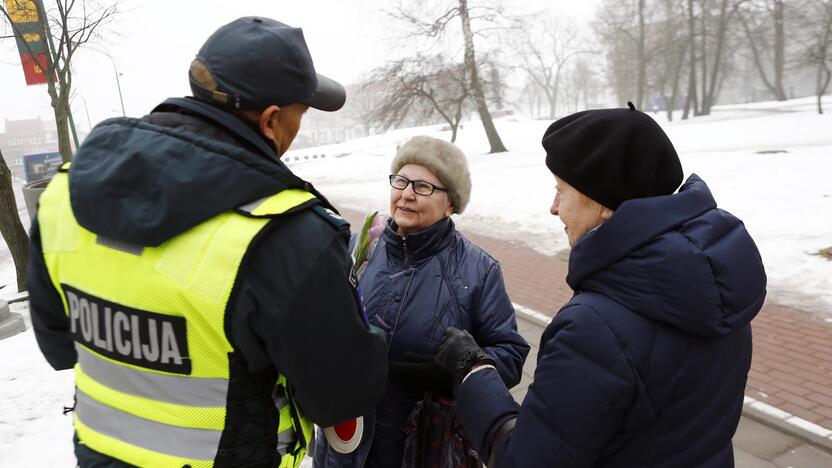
column 646, row 365
column 414, row 288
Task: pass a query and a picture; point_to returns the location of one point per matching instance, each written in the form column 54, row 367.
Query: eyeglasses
column 420, row 187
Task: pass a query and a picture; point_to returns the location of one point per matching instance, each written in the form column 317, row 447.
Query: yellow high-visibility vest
column 148, row 322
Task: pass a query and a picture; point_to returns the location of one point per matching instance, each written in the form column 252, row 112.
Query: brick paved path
column 792, row 364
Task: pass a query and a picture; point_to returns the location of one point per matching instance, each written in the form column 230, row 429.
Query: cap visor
column 328, row 96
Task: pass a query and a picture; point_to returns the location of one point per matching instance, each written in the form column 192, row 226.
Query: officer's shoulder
column 331, row 217
column 310, row 228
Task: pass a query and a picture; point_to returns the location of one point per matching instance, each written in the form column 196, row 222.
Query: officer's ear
column 268, row 120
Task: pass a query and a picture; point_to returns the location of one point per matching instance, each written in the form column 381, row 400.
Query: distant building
column 28, row 136
column 22, row 137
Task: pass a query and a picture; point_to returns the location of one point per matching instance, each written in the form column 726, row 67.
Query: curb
column 787, row 423
column 764, row 413
column 10, row 323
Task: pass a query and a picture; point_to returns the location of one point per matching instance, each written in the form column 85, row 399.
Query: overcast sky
column 154, row 42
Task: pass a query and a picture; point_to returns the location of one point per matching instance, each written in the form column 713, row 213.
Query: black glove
column 458, row 353
column 419, row 374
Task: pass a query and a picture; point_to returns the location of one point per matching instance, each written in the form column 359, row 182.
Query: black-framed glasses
column 420, row 187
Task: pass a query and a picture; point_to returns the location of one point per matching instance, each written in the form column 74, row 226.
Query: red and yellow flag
column 31, row 40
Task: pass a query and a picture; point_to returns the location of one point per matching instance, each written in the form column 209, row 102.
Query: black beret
column 613, row 155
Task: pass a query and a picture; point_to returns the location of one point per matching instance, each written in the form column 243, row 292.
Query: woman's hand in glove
column 459, row 353
column 419, row 374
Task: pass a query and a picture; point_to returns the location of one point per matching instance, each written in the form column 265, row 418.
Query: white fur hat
column 445, row 160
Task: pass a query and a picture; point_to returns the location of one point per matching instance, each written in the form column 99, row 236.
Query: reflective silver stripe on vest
column 250, row 207
column 188, row 391
column 286, row 441
column 279, row 397
column 195, row 444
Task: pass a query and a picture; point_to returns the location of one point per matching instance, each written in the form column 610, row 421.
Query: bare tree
column 727, row 9
column 816, row 21
column 624, row 28
column 642, row 57
column 674, row 45
column 543, row 46
column 75, row 22
column 585, row 82
column 763, row 22
column 691, row 102
column 533, row 97
column 438, row 26
column 10, row 226
column 471, row 71
column 421, row 87
column 715, row 18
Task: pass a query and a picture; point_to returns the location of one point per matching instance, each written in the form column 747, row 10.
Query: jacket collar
column 419, row 244
column 634, row 224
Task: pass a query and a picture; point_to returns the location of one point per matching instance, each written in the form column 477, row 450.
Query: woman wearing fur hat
column 646, row 365
column 422, row 278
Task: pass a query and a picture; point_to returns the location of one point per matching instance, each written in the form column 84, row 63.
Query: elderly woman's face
column 578, row 212
column 412, row 211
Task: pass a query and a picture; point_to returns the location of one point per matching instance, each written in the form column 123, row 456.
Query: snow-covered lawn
column 785, row 200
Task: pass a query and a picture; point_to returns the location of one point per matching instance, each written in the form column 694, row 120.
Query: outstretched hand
column 459, row 353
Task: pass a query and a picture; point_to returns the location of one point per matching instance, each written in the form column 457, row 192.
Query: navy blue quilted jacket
column 646, row 365
column 414, row 288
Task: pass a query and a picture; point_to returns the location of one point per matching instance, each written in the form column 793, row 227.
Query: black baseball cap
column 257, row 62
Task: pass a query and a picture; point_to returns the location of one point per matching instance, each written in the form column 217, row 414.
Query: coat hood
column 142, row 183
column 676, row 259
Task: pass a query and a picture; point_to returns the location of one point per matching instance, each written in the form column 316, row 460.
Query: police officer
column 201, row 290
column 646, row 365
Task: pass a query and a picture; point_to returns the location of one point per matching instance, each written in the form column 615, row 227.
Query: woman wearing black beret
column 646, row 365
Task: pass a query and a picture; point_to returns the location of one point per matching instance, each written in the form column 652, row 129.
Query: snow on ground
column 785, row 198
column 33, row 430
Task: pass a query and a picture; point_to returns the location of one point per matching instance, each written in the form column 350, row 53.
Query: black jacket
column 293, row 309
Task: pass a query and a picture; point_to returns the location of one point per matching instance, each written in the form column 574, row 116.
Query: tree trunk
column 677, row 77
column 824, row 77
column 552, row 94
column 552, row 99
column 775, row 85
column 552, row 105
column 62, row 123
column 704, row 96
column 710, row 97
column 10, row 226
column 690, row 101
column 824, row 73
column 642, row 66
column 779, row 50
column 476, row 86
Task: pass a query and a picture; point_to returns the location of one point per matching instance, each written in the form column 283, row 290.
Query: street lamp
column 115, row 70
column 87, row 110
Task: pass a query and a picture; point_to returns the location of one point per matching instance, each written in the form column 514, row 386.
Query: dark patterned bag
column 435, row 438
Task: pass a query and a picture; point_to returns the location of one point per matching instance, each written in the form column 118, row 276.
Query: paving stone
column 762, row 441
column 743, row 459
column 804, row 456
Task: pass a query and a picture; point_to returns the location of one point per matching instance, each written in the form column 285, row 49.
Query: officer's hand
column 458, row 353
column 419, row 374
